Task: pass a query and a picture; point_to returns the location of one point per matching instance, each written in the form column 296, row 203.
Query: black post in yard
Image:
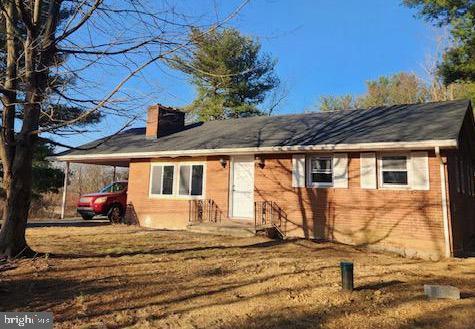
column 347, row 275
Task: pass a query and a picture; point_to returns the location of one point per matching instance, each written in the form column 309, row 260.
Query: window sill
column 395, row 187
column 319, row 185
column 175, row 197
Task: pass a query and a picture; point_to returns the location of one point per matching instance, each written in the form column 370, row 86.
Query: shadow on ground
column 68, row 223
column 118, row 276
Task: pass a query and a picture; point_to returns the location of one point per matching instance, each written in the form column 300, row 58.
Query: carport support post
column 114, row 174
column 65, row 189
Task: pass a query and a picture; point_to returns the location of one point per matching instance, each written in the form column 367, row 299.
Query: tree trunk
column 18, row 197
column 38, row 52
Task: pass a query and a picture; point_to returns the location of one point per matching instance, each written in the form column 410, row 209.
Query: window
column 321, row 171
column 191, row 180
column 177, row 180
column 394, row 170
column 161, row 182
column 114, row 187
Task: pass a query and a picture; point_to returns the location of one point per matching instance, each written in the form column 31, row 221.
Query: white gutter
column 443, row 190
column 421, row 145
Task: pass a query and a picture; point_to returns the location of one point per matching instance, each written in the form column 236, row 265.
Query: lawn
column 120, row 276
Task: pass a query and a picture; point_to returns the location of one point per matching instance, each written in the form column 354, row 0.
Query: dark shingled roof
column 401, row 123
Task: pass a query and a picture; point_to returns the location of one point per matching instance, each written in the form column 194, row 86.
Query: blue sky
column 323, row 48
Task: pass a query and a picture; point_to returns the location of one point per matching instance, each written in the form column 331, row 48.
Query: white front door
column 242, row 187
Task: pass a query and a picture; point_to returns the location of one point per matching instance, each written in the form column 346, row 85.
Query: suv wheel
column 115, row 214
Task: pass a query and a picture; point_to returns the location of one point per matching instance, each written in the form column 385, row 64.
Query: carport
column 68, row 160
column 115, row 151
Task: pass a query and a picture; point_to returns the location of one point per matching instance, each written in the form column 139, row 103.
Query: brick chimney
column 162, row 121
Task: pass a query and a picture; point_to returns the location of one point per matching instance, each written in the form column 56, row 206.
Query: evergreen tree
column 46, row 178
column 230, row 74
column 459, row 60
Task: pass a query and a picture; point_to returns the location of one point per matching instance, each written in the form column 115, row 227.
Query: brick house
column 397, row 178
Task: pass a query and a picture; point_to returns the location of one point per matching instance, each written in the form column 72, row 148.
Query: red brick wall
column 217, row 183
column 404, row 221
column 172, row 213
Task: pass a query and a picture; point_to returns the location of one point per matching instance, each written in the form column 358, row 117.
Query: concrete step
column 223, row 229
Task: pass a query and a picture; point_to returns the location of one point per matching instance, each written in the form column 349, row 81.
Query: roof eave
column 385, row 146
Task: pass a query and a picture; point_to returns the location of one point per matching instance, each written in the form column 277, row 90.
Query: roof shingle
column 401, row 123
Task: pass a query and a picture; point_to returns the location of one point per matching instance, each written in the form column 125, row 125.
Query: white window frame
column 160, row 195
column 309, row 160
column 381, row 183
column 176, row 180
column 203, row 186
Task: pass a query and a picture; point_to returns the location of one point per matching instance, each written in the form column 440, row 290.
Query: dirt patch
column 119, row 276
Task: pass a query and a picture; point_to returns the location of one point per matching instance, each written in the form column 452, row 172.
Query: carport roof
column 412, row 125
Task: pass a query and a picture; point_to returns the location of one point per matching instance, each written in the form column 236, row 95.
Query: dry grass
column 118, row 276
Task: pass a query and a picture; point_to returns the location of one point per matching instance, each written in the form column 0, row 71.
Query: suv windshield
column 114, row 187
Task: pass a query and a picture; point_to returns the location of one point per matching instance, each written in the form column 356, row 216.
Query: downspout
column 443, row 190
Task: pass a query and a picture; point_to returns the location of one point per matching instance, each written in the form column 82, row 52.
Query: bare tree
column 437, row 89
column 49, row 51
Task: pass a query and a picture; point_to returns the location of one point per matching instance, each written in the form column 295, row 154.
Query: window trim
column 389, row 186
column 161, row 196
column 176, row 181
column 189, row 196
column 308, row 161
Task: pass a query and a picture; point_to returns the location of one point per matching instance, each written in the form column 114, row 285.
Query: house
column 398, row 178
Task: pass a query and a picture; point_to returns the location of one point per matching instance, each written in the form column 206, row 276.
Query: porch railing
column 268, row 214
column 204, row 211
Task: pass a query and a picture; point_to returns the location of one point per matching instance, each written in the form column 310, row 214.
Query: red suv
column 110, row 201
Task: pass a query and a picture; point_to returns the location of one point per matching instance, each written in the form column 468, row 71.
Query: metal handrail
column 204, row 211
column 268, row 214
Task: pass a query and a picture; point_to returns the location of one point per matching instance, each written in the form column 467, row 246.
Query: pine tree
column 230, row 74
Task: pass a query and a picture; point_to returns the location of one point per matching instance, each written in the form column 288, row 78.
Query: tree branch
column 83, row 20
column 140, row 68
column 104, row 140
